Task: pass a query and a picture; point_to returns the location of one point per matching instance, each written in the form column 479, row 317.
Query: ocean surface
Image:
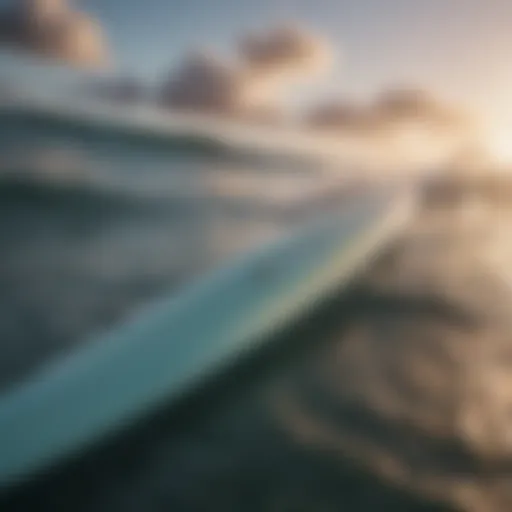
column 94, row 224
column 401, row 401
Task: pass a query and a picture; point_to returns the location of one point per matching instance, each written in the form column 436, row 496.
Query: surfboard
column 175, row 344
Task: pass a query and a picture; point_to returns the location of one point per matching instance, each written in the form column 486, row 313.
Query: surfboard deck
column 176, row 344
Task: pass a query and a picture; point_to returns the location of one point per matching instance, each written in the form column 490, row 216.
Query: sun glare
column 500, row 145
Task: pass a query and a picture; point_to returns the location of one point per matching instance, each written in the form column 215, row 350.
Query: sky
column 460, row 49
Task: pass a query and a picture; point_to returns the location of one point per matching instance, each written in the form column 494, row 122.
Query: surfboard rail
column 173, row 345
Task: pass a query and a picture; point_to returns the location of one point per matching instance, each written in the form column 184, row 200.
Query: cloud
column 288, row 49
column 53, row 29
column 403, row 128
column 203, row 82
column 417, row 105
column 395, row 109
column 338, row 116
column 252, row 84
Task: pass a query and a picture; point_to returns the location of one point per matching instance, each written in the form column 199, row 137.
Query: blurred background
column 142, row 144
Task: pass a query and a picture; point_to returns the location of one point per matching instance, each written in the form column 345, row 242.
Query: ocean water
column 401, row 401
column 394, row 397
column 94, row 224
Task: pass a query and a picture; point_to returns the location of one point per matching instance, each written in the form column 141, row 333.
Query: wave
column 208, row 137
column 88, row 202
column 40, row 192
column 54, row 124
